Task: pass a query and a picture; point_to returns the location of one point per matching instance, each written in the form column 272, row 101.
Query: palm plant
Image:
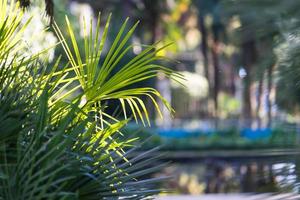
column 56, row 141
column 100, row 84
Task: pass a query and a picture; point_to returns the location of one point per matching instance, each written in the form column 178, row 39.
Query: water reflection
column 223, row 176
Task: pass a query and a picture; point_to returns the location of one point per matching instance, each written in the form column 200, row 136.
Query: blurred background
column 236, row 127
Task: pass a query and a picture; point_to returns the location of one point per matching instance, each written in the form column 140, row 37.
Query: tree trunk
column 153, row 8
column 215, row 60
column 154, row 19
column 259, row 99
column 232, row 88
column 249, row 58
column 204, row 47
column 247, row 107
column 216, row 63
column 204, row 50
column 269, row 97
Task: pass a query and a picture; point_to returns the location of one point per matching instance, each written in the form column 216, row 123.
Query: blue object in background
column 256, row 134
column 251, row 134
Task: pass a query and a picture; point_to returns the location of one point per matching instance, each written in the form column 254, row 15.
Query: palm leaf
column 97, row 80
column 51, row 145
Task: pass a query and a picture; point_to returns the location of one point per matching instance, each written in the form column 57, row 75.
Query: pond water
column 234, row 175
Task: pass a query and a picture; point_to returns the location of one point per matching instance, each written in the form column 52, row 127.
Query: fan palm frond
column 97, row 79
column 11, row 28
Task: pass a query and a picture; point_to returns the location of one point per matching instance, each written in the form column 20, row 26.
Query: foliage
column 274, row 26
column 229, row 106
column 57, row 141
column 288, row 84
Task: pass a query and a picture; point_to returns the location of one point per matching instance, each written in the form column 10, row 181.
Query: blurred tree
column 256, row 36
column 271, row 26
column 288, row 86
column 213, row 30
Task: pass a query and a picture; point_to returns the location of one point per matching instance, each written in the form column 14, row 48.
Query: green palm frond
column 55, row 146
column 66, row 159
column 96, row 77
column 11, row 31
column 15, row 103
